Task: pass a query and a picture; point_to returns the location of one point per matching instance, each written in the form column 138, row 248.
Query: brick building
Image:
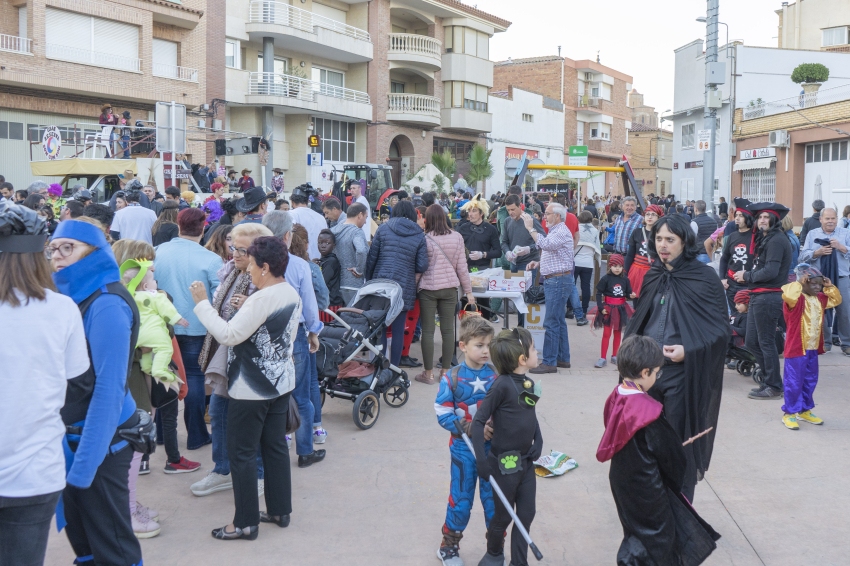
column 652, row 158
column 61, row 60
column 380, row 82
column 596, row 113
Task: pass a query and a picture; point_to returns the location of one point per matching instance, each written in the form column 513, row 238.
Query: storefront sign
column 758, row 153
column 693, row 164
column 578, row 156
column 516, row 153
column 51, row 142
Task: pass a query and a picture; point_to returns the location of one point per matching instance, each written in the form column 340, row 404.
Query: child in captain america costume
column 461, row 392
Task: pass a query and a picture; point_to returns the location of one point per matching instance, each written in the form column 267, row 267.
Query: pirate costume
column 737, row 255
column 637, row 259
column 613, row 310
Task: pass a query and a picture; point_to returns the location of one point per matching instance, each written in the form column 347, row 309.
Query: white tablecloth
column 515, row 296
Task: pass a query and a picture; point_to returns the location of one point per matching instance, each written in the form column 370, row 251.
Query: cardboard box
column 508, row 281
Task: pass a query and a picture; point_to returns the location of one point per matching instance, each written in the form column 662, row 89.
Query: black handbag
column 293, row 417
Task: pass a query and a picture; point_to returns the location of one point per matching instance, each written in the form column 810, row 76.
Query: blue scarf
column 94, row 271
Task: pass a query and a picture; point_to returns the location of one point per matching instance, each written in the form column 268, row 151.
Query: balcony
column 462, row 67
column 306, row 32
column 416, row 52
column 418, row 109
column 175, row 72
column 93, row 58
column 466, row 120
column 14, row 44
column 599, row 144
column 303, row 96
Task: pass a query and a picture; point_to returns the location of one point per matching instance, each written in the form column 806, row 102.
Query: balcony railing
column 95, row 58
column 15, row 44
column 175, row 72
column 799, row 102
column 587, row 101
column 275, row 84
column 269, row 12
column 414, row 44
column 415, row 104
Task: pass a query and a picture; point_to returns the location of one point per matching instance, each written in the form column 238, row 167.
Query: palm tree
column 444, row 162
column 480, row 167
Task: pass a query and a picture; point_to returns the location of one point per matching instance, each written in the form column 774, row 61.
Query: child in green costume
column 155, row 310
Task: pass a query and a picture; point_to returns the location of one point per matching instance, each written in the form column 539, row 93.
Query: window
column 328, row 77
column 16, row 131
column 458, row 149
column 231, row 53
column 528, row 118
column 396, row 87
column 465, row 95
column 22, row 21
column 834, row 36
column 79, row 38
column 165, row 58
column 280, row 65
column 600, row 131
column 337, row 139
column 688, row 136
column 759, row 185
column 663, row 183
column 834, row 151
column 459, row 39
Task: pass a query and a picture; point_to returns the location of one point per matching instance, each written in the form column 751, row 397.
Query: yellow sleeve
column 791, row 293
column 833, row 296
column 165, row 308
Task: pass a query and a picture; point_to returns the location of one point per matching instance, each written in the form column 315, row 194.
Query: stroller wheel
column 367, row 407
column 746, row 369
column 396, row 395
column 758, row 376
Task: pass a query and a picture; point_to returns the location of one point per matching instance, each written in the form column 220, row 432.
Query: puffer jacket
column 445, row 271
column 398, row 252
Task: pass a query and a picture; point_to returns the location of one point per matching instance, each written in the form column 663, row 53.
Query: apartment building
column 595, row 107
column 652, row 158
column 379, row 82
column 820, row 25
column 61, row 60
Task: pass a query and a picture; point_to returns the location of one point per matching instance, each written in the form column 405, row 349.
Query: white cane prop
column 536, row 551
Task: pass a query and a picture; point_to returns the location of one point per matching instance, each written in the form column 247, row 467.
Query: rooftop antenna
column 559, row 51
column 597, row 57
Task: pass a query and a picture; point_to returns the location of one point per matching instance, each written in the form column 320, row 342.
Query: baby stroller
column 354, row 330
column 743, row 360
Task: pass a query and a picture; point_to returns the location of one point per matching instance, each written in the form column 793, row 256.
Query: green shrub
column 810, row 73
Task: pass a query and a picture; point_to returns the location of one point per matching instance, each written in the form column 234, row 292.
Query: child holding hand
column 516, row 443
column 612, row 310
column 805, row 300
column 155, row 310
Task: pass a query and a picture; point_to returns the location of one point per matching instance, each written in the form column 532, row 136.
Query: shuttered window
column 164, row 58
column 92, row 41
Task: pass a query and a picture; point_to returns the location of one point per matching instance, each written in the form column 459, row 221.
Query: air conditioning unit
column 593, row 101
column 588, row 76
column 652, row 160
column 778, row 138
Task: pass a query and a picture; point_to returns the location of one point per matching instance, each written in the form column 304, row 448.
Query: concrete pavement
column 777, row 497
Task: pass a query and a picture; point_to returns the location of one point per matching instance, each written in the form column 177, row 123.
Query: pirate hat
column 776, row 209
column 742, row 204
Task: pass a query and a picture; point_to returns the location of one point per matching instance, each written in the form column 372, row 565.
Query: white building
column 753, row 75
column 523, row 121
column 814, row 24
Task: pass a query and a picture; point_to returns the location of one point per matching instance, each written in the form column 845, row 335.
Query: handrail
column 799, row 102
column 15, row 44
column 175, row 72
column 271, row 12
column 414, row 103
column 415, row 43
column 276, row 84
column 96, row 58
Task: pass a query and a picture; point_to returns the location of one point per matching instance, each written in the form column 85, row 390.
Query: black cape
column 692, row 403
column 660, row 528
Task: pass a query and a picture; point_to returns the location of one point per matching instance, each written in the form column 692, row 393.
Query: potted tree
column 810, row 76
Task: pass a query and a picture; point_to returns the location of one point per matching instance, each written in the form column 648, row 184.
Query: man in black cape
column 685, row 312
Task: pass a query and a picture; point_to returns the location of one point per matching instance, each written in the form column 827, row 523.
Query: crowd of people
column 221, row 306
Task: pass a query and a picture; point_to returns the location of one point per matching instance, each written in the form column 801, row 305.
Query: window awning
column 748, row 164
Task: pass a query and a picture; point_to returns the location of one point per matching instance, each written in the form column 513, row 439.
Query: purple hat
column 214, row 209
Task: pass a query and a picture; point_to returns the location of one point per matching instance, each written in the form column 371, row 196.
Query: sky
column 633, row 37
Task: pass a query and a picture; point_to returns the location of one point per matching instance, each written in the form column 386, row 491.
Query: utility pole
column 715, row 74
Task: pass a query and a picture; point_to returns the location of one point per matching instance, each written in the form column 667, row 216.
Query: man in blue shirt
column 625, row 225
column 178, row 263
column 817, row 253
column 306, row 392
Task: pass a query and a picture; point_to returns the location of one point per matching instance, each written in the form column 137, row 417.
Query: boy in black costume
column 516, row 442
column 648, row 466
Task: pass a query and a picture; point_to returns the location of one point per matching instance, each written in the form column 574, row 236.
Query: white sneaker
column 320, row 435
column 212, row 483
column 261, row 488
column 142, row 510
column 144, row 526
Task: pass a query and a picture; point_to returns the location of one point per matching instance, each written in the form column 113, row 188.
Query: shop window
column 759, row 185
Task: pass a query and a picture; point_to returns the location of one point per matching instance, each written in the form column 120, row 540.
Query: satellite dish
column 536, row 173
column 511, row 166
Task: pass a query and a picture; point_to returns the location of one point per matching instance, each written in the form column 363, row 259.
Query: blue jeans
column 703, row 258
column 218, row 424
column 195, row 403
column 125, row 145
column 556, row 345
column 575, row 302
column 315, row 394
column 302, row 392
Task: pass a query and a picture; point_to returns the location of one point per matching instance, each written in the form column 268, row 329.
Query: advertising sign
column 758, row 153
column 578, row 156
column 516, row 153
column 534, row 324
column 51, row 142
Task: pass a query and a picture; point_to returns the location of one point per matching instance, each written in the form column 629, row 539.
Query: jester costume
column 461, row 392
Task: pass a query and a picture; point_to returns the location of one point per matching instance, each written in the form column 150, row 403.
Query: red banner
column 515, row 153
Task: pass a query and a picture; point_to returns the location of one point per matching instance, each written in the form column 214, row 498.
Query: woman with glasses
column 229, row 297
column 52, row 350
column 97, row 499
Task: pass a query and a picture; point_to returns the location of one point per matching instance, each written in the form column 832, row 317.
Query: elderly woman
column 98, row 403
column 447, row 270
column 35, row 375
column 481, row 240
column 398, row 252
column 260, row 376
column 230, row 295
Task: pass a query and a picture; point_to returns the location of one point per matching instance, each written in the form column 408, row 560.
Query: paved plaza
column 777, row 497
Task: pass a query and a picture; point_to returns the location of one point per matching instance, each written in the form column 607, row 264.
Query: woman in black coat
column 481, row 240
column 398, row 252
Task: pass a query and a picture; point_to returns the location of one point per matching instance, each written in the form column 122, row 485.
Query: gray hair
column 279, row 222
column 37, row 186
column 630, row 199
column 558, row 209
column 700, row 206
